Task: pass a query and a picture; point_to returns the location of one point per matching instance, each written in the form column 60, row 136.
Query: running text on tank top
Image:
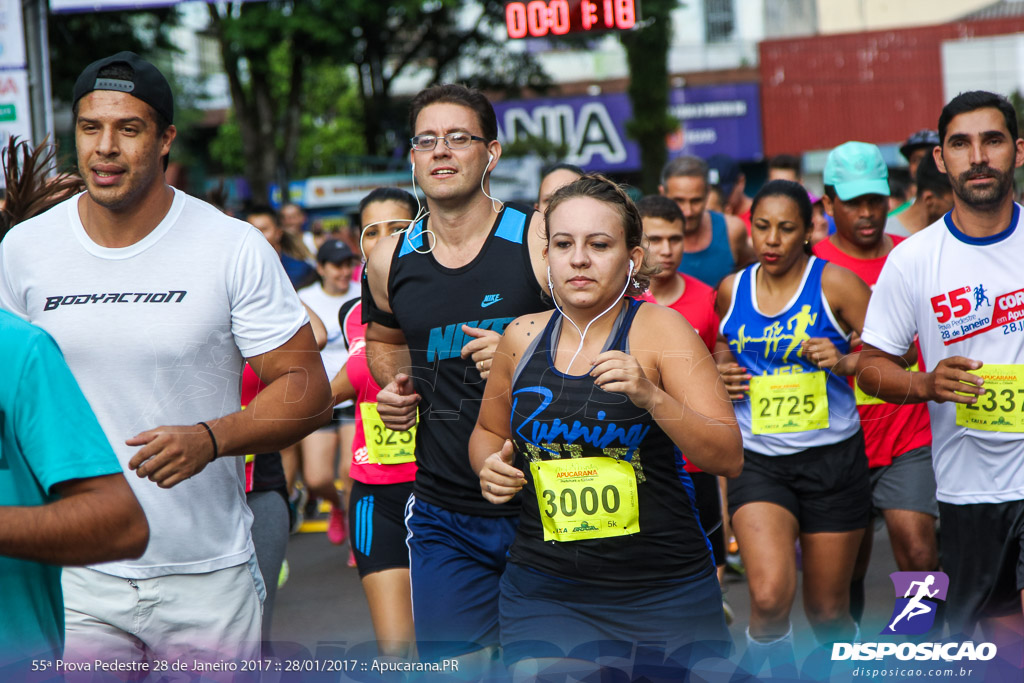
column 568, row 422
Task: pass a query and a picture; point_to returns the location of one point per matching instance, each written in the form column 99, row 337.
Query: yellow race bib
column 1001, row 408
column 583, row 498
column 780, row 404
column 386, row 446
column 865, row 400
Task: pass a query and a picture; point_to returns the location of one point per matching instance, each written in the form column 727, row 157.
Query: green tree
column 455, row 40
column 330, row 129
column 647, row 56
column 77, row 40
column 272, row 49
column 266, row 49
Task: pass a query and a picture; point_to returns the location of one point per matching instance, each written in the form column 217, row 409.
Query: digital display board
column 542, row 18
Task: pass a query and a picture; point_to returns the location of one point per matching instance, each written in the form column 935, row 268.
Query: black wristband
column 212, row 439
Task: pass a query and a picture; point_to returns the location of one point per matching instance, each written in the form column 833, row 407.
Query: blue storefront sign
column 718, row 119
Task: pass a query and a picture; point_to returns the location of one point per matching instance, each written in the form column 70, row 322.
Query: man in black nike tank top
column 438, row 298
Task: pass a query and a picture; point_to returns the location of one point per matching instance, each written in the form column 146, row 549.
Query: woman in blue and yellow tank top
column 783, row 351
column 583, row 418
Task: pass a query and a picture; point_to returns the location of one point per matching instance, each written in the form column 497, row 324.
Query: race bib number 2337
column 1001, row 407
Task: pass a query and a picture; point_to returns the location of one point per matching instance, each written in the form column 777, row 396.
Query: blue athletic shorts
column 549, row 616
column 456, row 562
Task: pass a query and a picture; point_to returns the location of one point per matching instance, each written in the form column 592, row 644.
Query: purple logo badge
column 917, row 596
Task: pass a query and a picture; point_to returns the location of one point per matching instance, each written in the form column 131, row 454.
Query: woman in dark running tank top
column 581, row 417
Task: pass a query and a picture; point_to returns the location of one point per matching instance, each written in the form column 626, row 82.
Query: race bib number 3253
column 780, row 404
column 1001, row 407
column 386, row 446
column 586, row 498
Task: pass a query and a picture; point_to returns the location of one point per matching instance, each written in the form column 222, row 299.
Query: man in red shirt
column 897, row 437
column 663, row 230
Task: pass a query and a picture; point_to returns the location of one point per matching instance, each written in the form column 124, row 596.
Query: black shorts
column 827, row 488
column 983, row 554
column 709, row 507
column 376, row 523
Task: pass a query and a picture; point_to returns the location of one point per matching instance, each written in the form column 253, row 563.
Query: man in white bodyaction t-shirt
column 156, row 300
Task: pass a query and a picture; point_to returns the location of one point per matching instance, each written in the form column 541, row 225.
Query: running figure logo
column 979, row 296
column 914, row 612
column 774, row 334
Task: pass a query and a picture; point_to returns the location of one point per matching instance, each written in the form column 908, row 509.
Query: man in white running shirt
column 156, row 300
column 959, row 285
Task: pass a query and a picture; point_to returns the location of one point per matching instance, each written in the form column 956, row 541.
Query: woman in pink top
column 383, row 463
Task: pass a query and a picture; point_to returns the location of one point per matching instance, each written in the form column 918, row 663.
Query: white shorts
column 177, row 624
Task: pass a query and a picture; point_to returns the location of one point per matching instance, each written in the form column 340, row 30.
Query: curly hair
column 597, row 186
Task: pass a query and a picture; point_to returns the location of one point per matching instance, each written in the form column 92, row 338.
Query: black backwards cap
column 147, row 83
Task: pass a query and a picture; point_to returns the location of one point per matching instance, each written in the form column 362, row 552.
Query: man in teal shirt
column 63, row 498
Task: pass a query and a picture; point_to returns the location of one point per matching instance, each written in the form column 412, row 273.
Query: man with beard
column 157, row 300
column 959, row 287
column 897, row 438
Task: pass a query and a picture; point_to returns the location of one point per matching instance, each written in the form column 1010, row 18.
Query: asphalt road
column 321, row 612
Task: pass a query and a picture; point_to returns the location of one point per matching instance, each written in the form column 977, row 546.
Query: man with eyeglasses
column 437, row 299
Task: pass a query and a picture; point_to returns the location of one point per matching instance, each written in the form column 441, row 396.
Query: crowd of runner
column 537, row 427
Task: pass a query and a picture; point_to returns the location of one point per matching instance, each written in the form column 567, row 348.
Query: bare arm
column 735, row 378
column 97, row 519
column 319, row 331
column 490, row 451
column 296, row 401
column 690, row 405
column 884, row 376
column 739, row 241
column 387, row 354
column 341, row 387
column 847, row 296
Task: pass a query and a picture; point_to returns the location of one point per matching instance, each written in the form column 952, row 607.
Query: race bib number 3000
column 780, row 404
column 386, row 446
column 586, row 498
column 1001, row 407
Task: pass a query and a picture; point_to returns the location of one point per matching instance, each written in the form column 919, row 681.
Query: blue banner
column 719, row 119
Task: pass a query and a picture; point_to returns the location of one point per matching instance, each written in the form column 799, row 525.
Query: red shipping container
column 877, row 86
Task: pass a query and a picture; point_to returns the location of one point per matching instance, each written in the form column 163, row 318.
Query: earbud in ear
column 550, row 284
column 630, row 269
column 490, row 158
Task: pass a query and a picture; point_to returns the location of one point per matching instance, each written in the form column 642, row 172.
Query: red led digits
column 538, row 18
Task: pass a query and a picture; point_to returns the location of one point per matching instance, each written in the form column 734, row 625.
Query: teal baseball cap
column 855, row 169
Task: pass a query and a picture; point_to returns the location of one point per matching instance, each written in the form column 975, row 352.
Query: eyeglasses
column 426, row 143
